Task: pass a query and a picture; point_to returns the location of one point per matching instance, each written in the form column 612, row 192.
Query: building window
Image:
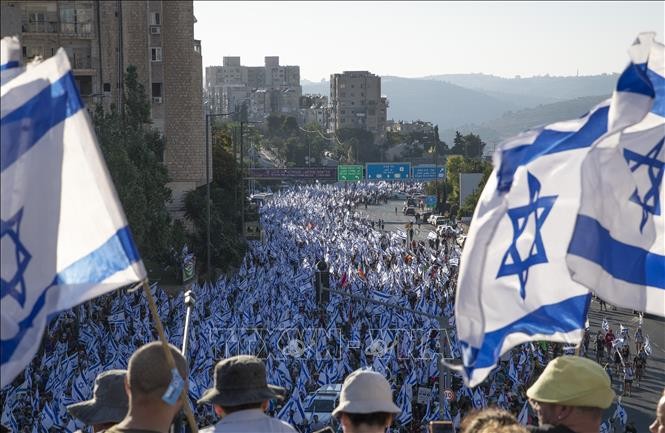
column 107, row 87
column 156, row 54
column 156, row 90
column 155, row 19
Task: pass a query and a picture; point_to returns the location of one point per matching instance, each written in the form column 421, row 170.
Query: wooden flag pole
column 169, row 357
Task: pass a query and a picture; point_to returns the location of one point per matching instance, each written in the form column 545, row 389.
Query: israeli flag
column 605, row 325
column 294, row 405
column 618, row 244
column 514, row 283
column 620, row 414
column 65, row 238
column 523, row 417
column 647, row 346
column 404, row 403
column 11, row 57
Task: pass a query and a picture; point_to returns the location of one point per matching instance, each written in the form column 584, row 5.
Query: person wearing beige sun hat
column 570, row 395
column 365, row 403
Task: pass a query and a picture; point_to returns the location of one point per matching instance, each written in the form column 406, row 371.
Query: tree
column 469, row 146
column 133, row 150
column 227, row 248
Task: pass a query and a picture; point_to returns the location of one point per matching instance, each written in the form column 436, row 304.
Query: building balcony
column 39, row 27
column 77, row 30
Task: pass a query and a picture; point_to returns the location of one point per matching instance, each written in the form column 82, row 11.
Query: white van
column 321, row 403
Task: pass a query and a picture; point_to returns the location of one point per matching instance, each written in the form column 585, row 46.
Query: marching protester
column 240, row 397
column 365, row 403
column 108, row 405
column 570, row 396
column 147, row 382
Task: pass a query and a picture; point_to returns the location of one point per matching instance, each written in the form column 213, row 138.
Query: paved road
column 641, row 405
column 394, row 221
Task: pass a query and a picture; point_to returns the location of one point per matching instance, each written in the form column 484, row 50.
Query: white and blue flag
column 65, row 238
column 11, row 59
column 618, row 245
column 514, row 283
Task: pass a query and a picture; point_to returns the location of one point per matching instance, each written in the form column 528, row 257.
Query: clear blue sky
column 415, row 39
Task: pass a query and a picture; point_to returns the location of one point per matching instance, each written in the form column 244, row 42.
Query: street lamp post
column 208, row 163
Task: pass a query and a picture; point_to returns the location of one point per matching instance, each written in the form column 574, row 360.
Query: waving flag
column 404, row 403
column 618, row 245
column 514, row 283
column 11, row 57
column 647, row 346
column 605, row 325
column 620, row 414
column 294, row 405
column 64, row 236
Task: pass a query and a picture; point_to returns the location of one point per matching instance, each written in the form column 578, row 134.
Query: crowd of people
column 269, row 309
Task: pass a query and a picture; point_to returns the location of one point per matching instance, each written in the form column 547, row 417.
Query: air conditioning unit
column 157, row 99
column 155, row 30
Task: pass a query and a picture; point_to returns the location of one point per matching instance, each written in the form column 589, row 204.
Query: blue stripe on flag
column 658, row 83
column 32, row 120
column 549, row 142
column 9, row 65
column 625, row 262
column 114, row 255
column 564, row 316
column 634, row 80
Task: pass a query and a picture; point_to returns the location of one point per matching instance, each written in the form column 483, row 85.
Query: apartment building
column 102, row 38
column 265, row 90
column 356, row 102
column 314, row 109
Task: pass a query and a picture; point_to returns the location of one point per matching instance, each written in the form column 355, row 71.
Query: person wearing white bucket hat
column 365, row 403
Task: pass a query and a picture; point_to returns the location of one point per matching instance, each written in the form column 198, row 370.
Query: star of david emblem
column 650, row 202
column 16, row 258
column 539, row 207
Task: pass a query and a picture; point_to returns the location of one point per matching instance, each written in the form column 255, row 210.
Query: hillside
column 457, row 101
column 442, row 103
column 514, row 122
column 556, row 88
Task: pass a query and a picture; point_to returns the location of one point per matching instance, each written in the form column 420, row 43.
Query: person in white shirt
column 240, row 397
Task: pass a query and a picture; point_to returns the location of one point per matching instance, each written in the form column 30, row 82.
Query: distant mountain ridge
column 512, row 123
column 495, row 104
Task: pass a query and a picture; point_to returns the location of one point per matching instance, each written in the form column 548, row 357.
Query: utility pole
column 242, row 178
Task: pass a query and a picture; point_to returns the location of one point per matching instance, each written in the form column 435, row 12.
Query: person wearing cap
column 109, row 402
column 365, row 403
column 570, row 395
column 149, row 384
column 240, row 397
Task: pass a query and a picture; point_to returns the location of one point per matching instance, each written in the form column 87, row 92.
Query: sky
column 416, row 39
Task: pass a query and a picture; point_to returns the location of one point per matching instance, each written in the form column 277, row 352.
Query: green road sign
column 349, row 172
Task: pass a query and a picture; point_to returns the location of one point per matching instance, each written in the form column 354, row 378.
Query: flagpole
column 169, row 357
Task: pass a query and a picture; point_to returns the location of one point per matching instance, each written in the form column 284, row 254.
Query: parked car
column 432, row 219
column 410, row 210
column 322, row 402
